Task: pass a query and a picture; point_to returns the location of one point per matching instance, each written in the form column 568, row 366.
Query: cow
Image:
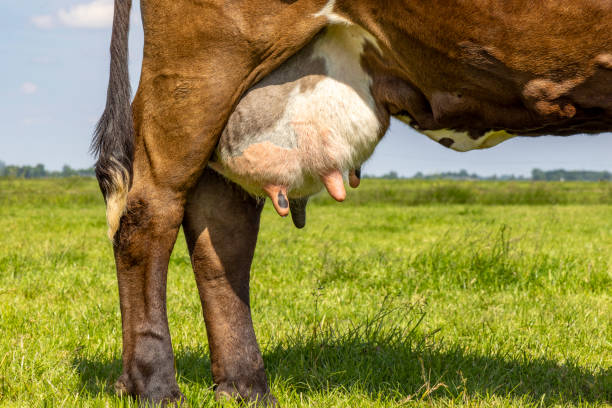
column 468, row 74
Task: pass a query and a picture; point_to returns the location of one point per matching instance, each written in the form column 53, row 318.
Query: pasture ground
column 412, row 293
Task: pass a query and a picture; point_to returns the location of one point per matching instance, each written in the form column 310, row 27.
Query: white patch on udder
column 343, row 100
column 462, row 142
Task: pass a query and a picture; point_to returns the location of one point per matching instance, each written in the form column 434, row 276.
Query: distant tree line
column 573, row 175
column 39, row 171
column 464, row 175
column 536, row 175
column 448, row 175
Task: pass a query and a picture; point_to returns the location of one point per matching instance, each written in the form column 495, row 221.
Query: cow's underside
column 321, row 113
column 467, row 74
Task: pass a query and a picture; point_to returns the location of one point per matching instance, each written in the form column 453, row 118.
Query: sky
column 54, row 70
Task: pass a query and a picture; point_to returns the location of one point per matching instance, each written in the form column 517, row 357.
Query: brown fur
column 468, row 65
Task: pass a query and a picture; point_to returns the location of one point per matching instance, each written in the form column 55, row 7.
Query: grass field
column 412, row 293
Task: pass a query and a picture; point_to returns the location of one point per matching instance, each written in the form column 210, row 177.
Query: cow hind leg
column 221, row 225
column 142, row 249
column 165, row 168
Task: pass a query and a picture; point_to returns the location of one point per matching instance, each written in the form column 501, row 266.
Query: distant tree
column 38, row 171
column 537, row 174
column 392, row 175
column 67, row 171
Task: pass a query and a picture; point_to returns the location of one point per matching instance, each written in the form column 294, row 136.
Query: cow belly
column 461, row 141
column 311, row 117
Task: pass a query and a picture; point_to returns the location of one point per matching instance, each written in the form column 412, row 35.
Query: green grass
column 412, row 293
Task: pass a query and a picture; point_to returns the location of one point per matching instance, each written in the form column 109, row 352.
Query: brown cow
column 466, row 73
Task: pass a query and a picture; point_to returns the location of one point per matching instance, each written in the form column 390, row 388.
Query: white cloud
column 29, row 88
column 44, row 22
column 95, row 14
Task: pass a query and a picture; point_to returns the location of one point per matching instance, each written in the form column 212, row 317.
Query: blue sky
column 53, row 88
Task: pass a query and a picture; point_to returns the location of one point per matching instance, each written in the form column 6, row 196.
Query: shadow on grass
column 394, row 364
column 99, row 373
column 404, row 374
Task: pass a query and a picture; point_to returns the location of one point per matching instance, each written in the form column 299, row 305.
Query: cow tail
column 113, row 141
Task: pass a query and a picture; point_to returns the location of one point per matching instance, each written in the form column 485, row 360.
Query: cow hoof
column 251, row 396
column 123, row 387
column 168, row 396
